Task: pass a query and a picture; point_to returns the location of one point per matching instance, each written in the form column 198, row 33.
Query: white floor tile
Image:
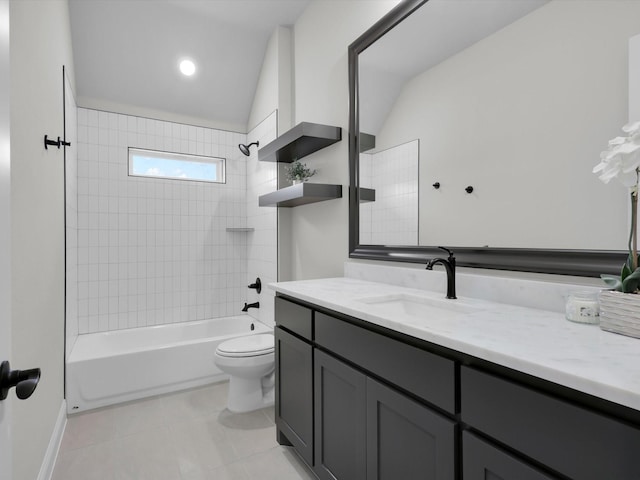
column 187, row 435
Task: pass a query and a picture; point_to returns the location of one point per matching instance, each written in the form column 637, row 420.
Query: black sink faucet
column 449, row 265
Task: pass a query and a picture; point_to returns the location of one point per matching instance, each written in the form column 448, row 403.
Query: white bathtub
column 112, row 367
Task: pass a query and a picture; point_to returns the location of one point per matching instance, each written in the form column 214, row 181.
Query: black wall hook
column 54, row 143
column 436, row 185
column 469, row 189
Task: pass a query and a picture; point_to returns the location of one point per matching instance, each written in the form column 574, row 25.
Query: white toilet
column 250, row 363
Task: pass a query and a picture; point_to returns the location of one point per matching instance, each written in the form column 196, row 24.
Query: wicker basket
column 620, row 313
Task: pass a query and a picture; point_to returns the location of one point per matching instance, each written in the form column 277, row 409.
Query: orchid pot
column 620, row 306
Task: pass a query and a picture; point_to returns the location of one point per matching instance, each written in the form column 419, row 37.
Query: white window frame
column 220, row 163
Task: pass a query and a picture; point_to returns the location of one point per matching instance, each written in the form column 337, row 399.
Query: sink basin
column 417, row 306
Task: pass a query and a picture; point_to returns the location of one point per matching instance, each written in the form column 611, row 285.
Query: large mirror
column 475, row 125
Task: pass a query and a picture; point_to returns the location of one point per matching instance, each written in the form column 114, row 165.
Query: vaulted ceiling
column 127, row 52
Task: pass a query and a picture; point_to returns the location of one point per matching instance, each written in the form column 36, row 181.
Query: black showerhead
column 245, row 148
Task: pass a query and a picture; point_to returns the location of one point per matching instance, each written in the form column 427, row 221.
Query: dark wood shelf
column 300, row 194
column 302, row 140
column 367, row 195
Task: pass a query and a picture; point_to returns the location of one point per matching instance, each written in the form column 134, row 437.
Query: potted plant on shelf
column 620, row 306
column 298, row 172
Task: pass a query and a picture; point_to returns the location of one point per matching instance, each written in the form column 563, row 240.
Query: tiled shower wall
column 153, row 251
column 392, row 219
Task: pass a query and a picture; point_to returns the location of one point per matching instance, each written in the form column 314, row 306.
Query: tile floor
column 181, row 436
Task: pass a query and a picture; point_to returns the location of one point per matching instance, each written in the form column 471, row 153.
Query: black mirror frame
column 584, row 263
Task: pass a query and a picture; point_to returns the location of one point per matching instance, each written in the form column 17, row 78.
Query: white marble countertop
column 537, row 342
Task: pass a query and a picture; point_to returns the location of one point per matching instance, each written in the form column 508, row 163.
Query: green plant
column 622, row 161
column 299, row 171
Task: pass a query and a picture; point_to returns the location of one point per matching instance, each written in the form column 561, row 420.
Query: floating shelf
column 367, row 195
column 302, row 140
column 300, row 194
column 240, row 229
column 367, row 142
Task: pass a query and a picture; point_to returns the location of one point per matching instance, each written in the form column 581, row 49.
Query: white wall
column 273, row 91
column 515, row 116
column 154, row 251
column 319, row 232
column 6, row 447
column 40, row 46
column 262, row 242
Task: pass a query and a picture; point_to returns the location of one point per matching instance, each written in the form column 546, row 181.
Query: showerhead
column 245, row 148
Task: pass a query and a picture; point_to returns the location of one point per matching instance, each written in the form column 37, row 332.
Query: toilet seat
column 248, row 346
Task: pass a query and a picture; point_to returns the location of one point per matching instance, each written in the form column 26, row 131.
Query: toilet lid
column 248, row 346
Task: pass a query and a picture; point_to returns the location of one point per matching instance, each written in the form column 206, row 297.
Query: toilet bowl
column 250, row 363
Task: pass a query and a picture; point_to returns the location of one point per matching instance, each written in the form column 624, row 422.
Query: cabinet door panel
column 294, row 392
column 339, row 420
column 406, row 439
column 482, row 461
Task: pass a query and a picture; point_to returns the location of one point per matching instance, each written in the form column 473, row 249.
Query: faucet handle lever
column 450, row 252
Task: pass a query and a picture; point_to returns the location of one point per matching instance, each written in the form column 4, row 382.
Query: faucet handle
column 447, row 250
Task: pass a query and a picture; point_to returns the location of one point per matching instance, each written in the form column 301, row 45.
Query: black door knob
column 25, row 381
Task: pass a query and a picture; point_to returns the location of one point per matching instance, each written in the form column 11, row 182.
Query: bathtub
column 113, row 367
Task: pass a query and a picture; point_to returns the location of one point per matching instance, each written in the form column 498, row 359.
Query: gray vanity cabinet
column 359, row 402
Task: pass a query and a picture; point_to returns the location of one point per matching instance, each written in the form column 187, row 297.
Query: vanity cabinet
column 358, row 401
column 364, row 424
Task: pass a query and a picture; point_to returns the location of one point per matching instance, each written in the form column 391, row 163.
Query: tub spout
column 247, row 306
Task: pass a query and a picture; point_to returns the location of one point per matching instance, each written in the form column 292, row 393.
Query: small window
column 178, row 166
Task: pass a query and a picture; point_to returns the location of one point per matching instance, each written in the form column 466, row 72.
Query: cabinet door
column 340, row 418
column 294, row 392
column 482, row 461
column 405, row 439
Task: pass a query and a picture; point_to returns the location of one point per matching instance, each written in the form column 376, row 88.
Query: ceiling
column 127, row 52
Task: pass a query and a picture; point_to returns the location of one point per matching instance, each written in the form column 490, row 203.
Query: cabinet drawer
column 482, row 461
column 569, row 439
column 294, row 317
column 424, row 374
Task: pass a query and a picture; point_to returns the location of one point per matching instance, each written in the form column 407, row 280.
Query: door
column 5, row 269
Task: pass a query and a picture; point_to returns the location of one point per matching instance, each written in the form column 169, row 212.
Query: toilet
column 250, row 363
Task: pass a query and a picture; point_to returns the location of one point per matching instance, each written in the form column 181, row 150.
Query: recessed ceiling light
column 187, row 67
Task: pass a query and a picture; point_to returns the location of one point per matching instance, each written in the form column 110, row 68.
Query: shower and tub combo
column 117, row 366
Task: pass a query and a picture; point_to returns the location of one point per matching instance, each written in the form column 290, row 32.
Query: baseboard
column 50, row 456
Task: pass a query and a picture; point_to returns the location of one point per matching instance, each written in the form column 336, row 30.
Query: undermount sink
column 417, row 306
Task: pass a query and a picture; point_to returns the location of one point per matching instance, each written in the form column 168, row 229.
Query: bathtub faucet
column 247, row 306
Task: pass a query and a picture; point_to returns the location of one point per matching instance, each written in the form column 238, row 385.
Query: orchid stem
column 633, row 236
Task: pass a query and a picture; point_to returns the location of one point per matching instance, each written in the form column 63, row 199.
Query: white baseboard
column 50, row 456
